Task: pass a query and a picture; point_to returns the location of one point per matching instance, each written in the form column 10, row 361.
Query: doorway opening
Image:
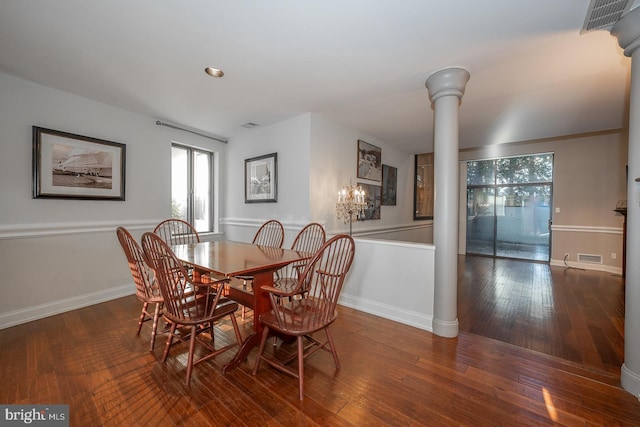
column 509, row 207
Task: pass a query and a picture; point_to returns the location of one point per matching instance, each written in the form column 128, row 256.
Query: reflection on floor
column 537, row 252
column 573, row 314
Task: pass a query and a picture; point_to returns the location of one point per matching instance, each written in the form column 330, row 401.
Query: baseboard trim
column 387, row 311
column 41, row 311
column 586, row 266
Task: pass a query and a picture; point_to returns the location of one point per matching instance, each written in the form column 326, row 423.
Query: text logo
column 37, row 415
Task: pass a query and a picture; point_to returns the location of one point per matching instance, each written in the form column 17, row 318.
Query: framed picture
column 389, row 185
column 423, row 187
column 369, row 161
column 70, row 166
column 372, row 196
column 261, row 179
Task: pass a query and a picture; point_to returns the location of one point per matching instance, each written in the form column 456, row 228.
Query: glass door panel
column 522, row 222
column 179, row 183
column 201, row 191
column 481, row 205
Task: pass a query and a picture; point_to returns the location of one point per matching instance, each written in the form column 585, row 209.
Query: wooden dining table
column 232, row 259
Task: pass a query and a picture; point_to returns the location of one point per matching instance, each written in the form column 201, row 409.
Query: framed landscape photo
column 261, row 179
column 369, row 161
column 70, row 166
column 389, row 185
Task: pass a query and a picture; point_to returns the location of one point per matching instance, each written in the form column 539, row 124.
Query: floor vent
column 590, row 259
column 604, row 13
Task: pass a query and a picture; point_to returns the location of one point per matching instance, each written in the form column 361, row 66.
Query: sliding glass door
column 509, row 207
column 481, row 221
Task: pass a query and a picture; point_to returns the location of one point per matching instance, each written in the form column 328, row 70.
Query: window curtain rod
column 194, row 131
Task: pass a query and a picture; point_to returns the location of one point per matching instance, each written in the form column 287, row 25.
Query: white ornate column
column 446, row 88
column 627, row 30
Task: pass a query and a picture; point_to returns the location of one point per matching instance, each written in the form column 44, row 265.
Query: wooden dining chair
column 193, row 306
column 270, row 233
column 147, row 290
column 309, row 240
column 176, row 231
column 313, row 309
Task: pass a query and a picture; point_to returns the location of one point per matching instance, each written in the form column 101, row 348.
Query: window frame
column 212, row 206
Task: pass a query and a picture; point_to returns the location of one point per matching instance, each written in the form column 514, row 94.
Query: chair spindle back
column 179, row 292
column 271, row 233
column 175, row 231
column 320, row 282
column 146, row 286
column 309, row 240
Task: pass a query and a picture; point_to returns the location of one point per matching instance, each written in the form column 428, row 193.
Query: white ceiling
column 363, row 63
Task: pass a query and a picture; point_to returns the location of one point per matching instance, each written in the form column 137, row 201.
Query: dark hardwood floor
column 573, row 314
column 564, row 368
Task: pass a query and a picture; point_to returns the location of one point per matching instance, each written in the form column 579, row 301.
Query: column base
column 445, row 328
column 630, row 381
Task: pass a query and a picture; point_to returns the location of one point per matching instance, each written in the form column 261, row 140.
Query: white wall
column 333, row 165
column 393, row 280
column 59, row 254
column 589, row 179
column 56, row 255
column 290, row 140
column 316, row 158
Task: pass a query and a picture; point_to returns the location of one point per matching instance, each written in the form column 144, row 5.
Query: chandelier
column 351, row 204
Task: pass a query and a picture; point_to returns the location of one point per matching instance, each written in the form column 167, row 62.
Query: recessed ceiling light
column 250, row 125
column 214, row 72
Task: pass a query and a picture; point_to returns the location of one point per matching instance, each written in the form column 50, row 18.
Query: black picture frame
column 261, row 179
column 369, row 161
column 389, row 185
column 372, row 194
column 70, row 166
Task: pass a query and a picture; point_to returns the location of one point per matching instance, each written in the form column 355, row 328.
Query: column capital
column 447, row 82
column 627, row 31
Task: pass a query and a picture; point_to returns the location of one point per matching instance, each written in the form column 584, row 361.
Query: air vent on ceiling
column 590, row 259
column 604, row 13
column 250, row 125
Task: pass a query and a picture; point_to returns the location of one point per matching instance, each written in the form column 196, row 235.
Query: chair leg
column 301, row 366
column 236, row 329
column 154, row 327
column 142, row 316
column 245, row 283
column 213, row 341
column 263, row 340
column 334, row 353
column 192, row 346
column 169, row 342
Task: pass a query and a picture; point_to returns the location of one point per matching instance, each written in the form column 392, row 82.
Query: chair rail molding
column 288, row 224
column 25, row 231
column 587, row 229
column 372, row 231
